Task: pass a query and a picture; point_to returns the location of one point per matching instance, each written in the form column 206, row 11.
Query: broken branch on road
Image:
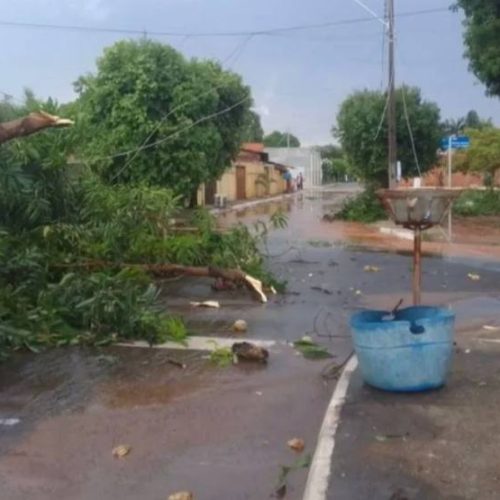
column 169, row 270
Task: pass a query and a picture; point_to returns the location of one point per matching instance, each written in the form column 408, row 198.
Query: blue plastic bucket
column 410, row 352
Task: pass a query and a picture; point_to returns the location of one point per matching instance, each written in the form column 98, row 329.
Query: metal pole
column 450, row 169
column 391, row 108
column 417, row 266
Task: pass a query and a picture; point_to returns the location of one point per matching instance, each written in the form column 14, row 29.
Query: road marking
column 196, row 343
column 319, row 472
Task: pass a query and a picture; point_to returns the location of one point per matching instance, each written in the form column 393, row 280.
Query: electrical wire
column 263, row 32
column 372, row 12
column 410, row 130
column 235, row 53
column 384, row 36
column 179, row 131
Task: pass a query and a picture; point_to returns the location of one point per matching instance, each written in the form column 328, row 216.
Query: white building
column 304, row 160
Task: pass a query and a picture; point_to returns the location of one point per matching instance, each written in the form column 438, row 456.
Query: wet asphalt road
column 220, row 432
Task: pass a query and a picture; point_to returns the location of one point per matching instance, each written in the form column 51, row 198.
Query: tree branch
column 30, row 124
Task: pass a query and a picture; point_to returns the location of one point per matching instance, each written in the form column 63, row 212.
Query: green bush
column 474, row 203
column 365, row 207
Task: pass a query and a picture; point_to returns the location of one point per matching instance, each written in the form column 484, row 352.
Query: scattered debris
column 467, row 351
column 310, row 350
column 177, row 363
column 245, row 351
column 474, row 277
column 280, row 492
column 221, row 284
column 319, row 243
column 258, row 393
column 296, row 444
column 382, row 438
column 207, row 303
column 240, row 326
column 358, row 292
column 333, row 369
column 371, row 269
column 181, row 495
column 491, row 328
column 322, row 289
column 222, row 357
column 333, row 263
column 399, row 495
column 9, row 422
column 302, row 462
column 121, row 451
column 303, row 261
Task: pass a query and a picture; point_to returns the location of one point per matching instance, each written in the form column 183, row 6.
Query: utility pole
column 391, row 107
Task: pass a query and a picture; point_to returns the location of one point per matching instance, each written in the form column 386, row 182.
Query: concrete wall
column 439, row 177
column 261, row 181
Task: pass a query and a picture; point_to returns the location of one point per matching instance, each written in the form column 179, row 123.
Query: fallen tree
column 169, row 270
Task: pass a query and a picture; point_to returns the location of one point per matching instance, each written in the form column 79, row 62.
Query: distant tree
column 335, row 165
column 484, row 152
column 253, row 131
column 150, row 116
column 482, row 40
column 278, row 139
column 453, row 126
column 330, row 151
column 471, row 120
column 357, row 123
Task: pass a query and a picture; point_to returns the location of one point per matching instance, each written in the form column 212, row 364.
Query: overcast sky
column 298, row 79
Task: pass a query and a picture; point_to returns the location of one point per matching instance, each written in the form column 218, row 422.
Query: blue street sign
column 457, row 142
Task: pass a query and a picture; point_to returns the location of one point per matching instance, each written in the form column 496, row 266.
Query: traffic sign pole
column 450, row 164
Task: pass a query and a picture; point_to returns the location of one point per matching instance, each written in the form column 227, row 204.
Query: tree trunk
column 30, row 124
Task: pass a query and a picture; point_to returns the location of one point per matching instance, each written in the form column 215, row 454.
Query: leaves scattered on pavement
column 302, row 462
column 310, row 350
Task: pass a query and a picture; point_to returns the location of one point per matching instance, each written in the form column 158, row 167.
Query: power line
column 263, row 32
column 372, row 12
column 410, row 130
column 176, row 133
column 234, row 53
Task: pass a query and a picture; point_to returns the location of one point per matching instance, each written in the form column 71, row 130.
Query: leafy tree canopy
column 279, row 139
column 484, row 152
column 189, row 114
column 482, row 39
column 253, row 131
column 359, row 119
column 470, row 121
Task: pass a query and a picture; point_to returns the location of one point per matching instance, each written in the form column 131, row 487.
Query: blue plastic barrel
column 408, row 352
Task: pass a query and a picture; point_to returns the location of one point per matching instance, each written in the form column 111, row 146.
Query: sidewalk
column 243, row 205
column 437, row 445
